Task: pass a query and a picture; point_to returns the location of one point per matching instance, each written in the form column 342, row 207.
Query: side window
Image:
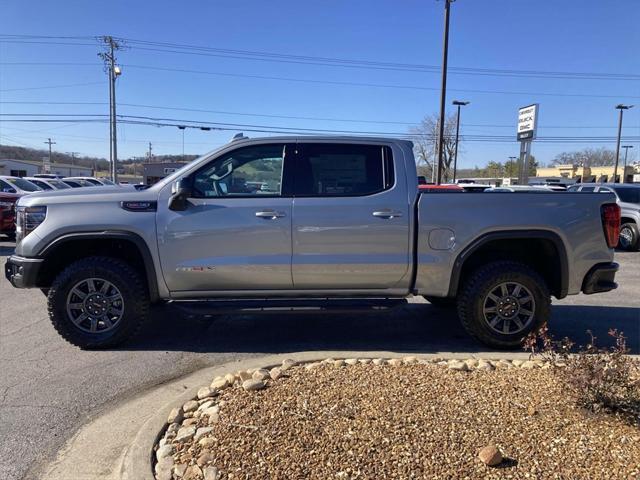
column 331, row 170
column 247, row 171
column 588, row 189
column 5, row 187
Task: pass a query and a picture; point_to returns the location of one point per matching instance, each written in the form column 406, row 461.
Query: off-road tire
column 634, row 244
column 128, row 281
column 478, row 285
column 441, row 302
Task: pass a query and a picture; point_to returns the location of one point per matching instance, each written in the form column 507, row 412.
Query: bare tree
column 425, row 142
column 589, row 157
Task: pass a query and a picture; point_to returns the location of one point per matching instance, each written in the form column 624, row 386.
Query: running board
column 283, row 306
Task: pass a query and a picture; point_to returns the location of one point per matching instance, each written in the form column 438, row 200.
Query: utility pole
column 47, row 166
column 183, row 128
column 113, row 71
column 150, row 149
column 73, row 157
column 455, row 156
column 443, row 91
column 622, row 108
column 626, row 151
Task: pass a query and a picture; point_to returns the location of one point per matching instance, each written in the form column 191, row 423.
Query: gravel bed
column 396, row 419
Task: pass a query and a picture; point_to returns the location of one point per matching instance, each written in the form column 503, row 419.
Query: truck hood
column 85, row 195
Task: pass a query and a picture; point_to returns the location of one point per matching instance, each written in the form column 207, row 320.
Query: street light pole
column 622, row 108
column 443, row 91
column 455, row 155
column 626, row 151
column 113, row 71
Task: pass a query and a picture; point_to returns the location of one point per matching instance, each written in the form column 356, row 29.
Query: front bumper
column 22, row 272
column 600, row 278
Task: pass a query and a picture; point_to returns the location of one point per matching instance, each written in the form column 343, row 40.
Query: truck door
column 351, row 217
column 235, row 233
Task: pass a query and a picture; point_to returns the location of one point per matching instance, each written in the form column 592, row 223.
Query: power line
column 50, row 87
column 165, row 47
column 296, row 117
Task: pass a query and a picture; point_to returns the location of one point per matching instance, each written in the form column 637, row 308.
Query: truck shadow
column 416, row 328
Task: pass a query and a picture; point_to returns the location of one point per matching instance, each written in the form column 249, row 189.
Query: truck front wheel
column 502, row 302
column 98, row 302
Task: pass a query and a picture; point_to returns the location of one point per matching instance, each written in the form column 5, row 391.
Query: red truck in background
column 7, row 214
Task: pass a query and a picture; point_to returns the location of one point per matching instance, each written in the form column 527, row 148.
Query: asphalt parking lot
column 49, row 388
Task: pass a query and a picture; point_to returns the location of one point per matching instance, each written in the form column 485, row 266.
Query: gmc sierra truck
column 309, row 222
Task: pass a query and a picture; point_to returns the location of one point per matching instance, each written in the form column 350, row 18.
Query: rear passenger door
column 350, row 217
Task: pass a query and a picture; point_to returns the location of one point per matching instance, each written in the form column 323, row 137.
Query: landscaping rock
column 287, row 364
column 220, row 383
column 351, row 361
column 164, row 451
column 458, row 365
column 260, row 374
column 193, row 472
column 211, row 473
column 244, row 375
column 275, row 373
column 205, row 392
column 185, row 433
column 201, row 432
column 253, row 385
column 175, row 415
column 490, row 455
column 190, row 406
column 179, row 469
column 206, row 457
column 379, row 361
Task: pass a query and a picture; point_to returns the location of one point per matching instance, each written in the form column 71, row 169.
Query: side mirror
column 180, row 192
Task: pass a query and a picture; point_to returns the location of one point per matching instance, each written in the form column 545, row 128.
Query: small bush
column 599, row 378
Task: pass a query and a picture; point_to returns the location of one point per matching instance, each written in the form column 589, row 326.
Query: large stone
column 202, row 431
column 395, row 362
column 409, row 360
column 528, row 365
column 179, row 470
column 193, row 472
column 517, row 363
column 211, row 473
column 287, row 364
column 457, row 365
column 260, row 374
column 189, row 421
column 379, row 361
column 253, row 385
column 205, row 392
column 191, row 406
column 484, row 365
column 163, row 468
column 275, row 373
column 220, row 383
column 185, row 433
column 338, row 363
column 490, row 455
column 244, row 375
column 206, row 457
column 206, row 442
column 175, row 415
column 351, row 361
column 204, row 406
column 164, row 451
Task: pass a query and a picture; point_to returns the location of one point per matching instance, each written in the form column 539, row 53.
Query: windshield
column 106, row 181
column 59, row 184
column 41, row 184
column 628, row 194
column 23, row 184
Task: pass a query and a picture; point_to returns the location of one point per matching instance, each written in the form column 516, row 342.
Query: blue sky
column 546, row 35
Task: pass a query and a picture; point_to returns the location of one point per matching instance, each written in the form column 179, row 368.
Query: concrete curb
column 118, row 444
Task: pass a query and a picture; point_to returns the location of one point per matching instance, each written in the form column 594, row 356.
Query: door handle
column 388, row 214
column 269, row 214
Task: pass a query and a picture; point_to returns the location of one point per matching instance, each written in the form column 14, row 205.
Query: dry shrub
column 599, row 378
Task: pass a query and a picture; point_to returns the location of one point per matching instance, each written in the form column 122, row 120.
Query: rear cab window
column 342, row 169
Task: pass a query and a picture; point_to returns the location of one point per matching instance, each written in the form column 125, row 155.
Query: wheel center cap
column 96, row 304
column 508, row 306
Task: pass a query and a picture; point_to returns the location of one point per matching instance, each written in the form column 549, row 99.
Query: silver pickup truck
column 310, row 222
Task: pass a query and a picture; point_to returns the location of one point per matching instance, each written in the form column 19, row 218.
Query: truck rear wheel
column 98, row 302
column 502, row 302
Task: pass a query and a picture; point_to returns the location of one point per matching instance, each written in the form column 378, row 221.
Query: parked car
column 17, row 185
column 98, row 182
column 346, row 227
column 48, row 175
column 628, row 197
column 521, row 188
column 77, row 182
column 48, row 183
column 7, row 214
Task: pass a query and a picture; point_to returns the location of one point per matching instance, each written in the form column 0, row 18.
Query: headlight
column 28, row 219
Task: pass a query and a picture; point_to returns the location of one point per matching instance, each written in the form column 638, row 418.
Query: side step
column 282, row 306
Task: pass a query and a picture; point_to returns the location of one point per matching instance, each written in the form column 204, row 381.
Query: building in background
column 29, row 168
column 154, row 172
column 587, row 174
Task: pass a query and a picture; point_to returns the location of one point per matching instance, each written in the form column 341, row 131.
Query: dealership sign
column 527, row 122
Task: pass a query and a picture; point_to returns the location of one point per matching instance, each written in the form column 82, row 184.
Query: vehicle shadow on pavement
column 415, row 328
